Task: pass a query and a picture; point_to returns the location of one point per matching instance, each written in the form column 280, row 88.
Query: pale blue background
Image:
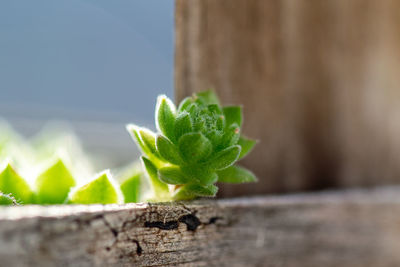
column 98, row 64
column 101, row 59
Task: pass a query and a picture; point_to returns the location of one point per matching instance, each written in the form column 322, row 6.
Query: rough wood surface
column 319, row 81
column 355, row 228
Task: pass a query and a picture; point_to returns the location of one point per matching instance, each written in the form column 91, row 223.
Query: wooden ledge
column 347, row 228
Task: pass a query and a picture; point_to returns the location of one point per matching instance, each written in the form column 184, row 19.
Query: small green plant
column 56, row 185
column 45, row 174
column 196, row 146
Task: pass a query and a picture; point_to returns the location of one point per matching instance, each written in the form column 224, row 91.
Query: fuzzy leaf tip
column 165, row 116
column 99, row 191
column 12, row 183
column 54, row 184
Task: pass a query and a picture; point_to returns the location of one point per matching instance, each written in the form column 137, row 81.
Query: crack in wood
column 191, row 221
column 170, row 225
column 214, row 220
column 112, row 229
column 139, row 249
column 116, row 233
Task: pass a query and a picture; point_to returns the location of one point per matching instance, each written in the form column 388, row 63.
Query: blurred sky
column 91, row 59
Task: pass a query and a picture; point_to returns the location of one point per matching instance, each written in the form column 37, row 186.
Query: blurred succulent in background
column 51, row 186
column 197, row 145
column 52, row 169
column 7, row 199
column 101, row 190
column 14, row 185
column 133, row 186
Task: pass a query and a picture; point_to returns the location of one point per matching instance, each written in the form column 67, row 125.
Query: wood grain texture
column 354, row 228
column 319, row 81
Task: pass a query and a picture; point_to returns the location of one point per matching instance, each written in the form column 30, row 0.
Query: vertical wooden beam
column 318, row 81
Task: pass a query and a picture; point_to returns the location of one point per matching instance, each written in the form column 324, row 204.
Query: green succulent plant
column 7, row 199
column 47, row 175
column 56, row 185
column 196, row 146
column 101, row 190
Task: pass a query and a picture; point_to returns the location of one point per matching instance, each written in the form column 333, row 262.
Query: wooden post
column 319, row 81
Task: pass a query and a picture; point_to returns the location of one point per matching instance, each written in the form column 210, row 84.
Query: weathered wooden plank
column 318, row 81
column 354, row 228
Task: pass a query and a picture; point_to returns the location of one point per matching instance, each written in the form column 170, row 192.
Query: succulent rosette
column 196, row 146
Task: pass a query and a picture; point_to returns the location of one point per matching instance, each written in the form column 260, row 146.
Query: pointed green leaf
column 172, row 175
column 247, row 145
column 183, row 193
column 221, row 123
column 183, row 124
column 216, row 139
column 215, row 109
column 149, row 140
column 12, row 183
column 160, row 189
column 145, row 140
column 131, row 188
column 184, row 104
column 224, row 158
column 231, row 135
column 168, row 150
column 194, row 147
column 7, row 199
column 207, row 97
column 193, row 109
column 191, row 190
column 99, row 191
column 233, row 114
column 200, row 174
column 204, row 191
column 54, row 184
column 165, row 116
column 211, row 178
column 134, row 132
column 236, row 175
column 200, row 125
